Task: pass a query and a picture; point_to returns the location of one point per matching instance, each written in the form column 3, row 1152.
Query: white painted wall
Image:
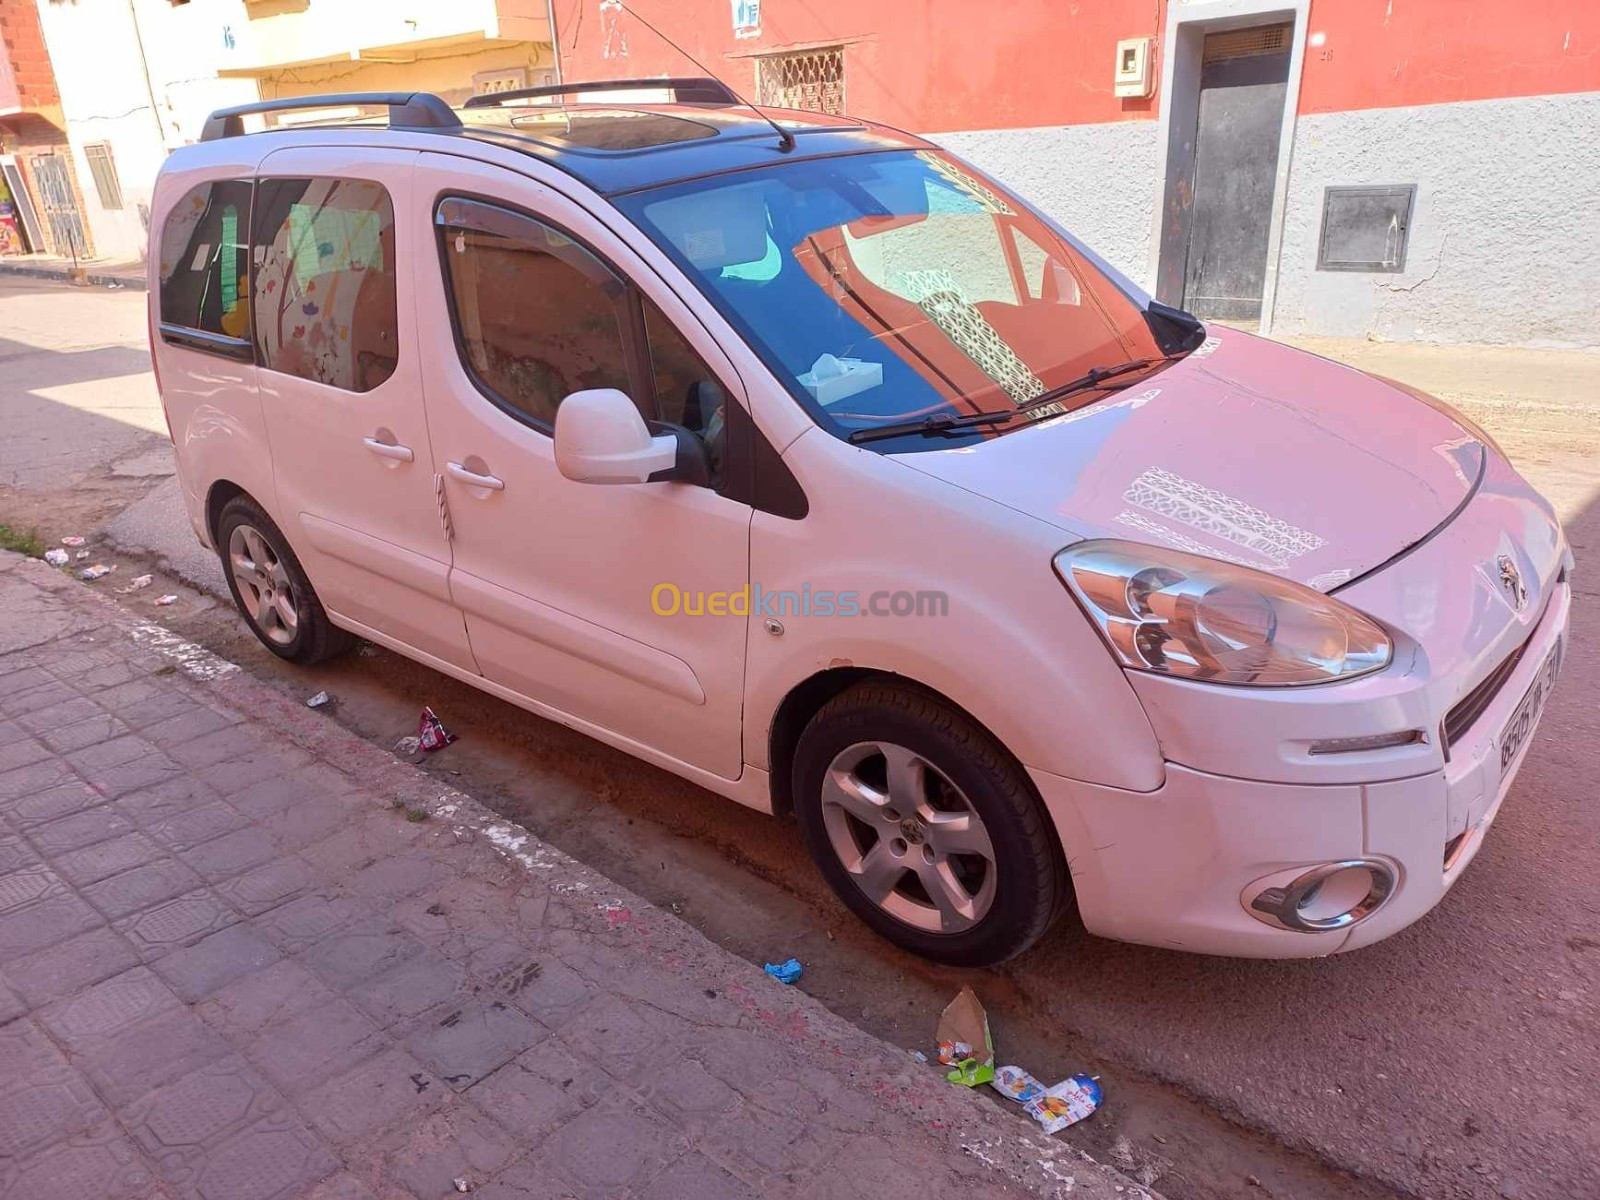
column 1505, row 232
column 105, row 96
column 1505, row 236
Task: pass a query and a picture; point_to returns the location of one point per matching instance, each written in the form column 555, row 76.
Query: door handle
column 388, row 450
column 473, row 479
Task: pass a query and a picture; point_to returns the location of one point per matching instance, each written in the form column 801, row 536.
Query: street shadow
column 31, row 367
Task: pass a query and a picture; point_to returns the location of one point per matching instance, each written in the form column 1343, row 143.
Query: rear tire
column 270, row 587
column 926, row 828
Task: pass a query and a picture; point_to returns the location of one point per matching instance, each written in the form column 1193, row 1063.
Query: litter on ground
column 136, row 583
column 72, row 540
column 56, row 558
column 1054, row 1107
column 163, row 601
column 431, row 733
column 785, row 972
column 319, row 700
column 98, row 571
column 964, row 1042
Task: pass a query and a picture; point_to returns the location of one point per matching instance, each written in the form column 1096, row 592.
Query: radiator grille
column 1465, row 714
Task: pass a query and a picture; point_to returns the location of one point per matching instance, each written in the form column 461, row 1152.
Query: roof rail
column 407, row 110
column 686, row 89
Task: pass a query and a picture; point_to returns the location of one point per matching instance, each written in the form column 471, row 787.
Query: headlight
column 1449, row 410
column 1200, row 618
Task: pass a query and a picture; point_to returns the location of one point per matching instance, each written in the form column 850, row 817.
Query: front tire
column 270, row 587
column 926, row 828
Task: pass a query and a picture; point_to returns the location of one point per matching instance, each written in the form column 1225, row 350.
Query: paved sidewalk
column 244, row 955
column 99, row 272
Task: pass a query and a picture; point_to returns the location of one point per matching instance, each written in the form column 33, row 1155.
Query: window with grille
column 812, row 79
column 105, row 174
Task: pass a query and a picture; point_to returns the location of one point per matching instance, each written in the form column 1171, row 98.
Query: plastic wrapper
column 56, row 558
column 431, row 733
column 1016, row 1084
column 1054, row 1107
column 785, row 972
column 1065, row 1103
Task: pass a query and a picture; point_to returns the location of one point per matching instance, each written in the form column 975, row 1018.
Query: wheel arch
column 217, row 497
column 807, row 698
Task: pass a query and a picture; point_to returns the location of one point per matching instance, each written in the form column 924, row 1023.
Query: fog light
column 1371, row 741
column 1336, row 895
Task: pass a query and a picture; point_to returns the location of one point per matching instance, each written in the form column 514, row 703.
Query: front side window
column 205, row 262
column 687, row 393
column 893, row 288
column 324, row 289
column 537, row 315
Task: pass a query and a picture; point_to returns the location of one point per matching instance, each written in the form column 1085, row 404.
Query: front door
column 1243, row 79
column 341, row 390
column 568, row 588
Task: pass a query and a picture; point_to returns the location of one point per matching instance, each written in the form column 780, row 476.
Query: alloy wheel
column 263, row 585
column 909, row 839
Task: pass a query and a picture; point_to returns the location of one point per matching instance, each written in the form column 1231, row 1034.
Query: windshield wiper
column 1091, row 378
column 938, row 425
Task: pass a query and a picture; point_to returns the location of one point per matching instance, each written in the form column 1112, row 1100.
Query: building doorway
column 57, row 197
column 26, row 219
column 1244, row 76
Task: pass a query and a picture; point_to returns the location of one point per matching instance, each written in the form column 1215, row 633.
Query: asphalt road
column 1456, row 1059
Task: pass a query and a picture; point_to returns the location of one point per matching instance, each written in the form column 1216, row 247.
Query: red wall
column 943, row 65
column 1392, row 53
column 932, row 65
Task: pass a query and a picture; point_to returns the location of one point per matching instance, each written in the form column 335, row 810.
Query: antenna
column 785, row 138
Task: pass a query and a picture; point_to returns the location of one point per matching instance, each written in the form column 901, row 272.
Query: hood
column 1246, row 450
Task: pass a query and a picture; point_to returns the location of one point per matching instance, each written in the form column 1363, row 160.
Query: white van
column 798, row 457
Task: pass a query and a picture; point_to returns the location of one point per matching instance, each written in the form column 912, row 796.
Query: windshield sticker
column 1206, row 348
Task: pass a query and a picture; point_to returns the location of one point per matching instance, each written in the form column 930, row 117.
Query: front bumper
column 1178, row 867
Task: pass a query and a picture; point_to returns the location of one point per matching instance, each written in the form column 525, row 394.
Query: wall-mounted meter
column 1133, row 77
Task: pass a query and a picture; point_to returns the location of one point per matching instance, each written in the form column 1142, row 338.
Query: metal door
column 60, row 209
column 1243, row 79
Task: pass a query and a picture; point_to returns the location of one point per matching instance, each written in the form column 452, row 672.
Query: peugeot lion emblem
column 1511, row 580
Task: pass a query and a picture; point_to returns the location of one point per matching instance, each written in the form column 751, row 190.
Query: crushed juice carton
column 1065, row 1103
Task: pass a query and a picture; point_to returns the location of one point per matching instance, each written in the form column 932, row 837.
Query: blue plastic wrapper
column 785, row 972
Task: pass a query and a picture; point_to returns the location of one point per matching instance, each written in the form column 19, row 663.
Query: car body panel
column 211, row 405
column 556, row 577
column 1245, row 450
column 379, row 549
column 1013, row 650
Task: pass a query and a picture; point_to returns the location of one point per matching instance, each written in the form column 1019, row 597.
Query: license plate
column 1516, row 732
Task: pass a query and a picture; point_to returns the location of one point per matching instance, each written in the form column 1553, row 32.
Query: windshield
column 890, row 288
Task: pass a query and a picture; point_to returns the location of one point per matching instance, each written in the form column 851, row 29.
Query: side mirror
column 601, row 438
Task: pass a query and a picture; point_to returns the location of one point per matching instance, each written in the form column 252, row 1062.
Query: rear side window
column 205, row 262
column 537, row 315
column 324, row 287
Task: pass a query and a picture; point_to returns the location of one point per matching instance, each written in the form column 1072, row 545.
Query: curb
column 65, row 274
